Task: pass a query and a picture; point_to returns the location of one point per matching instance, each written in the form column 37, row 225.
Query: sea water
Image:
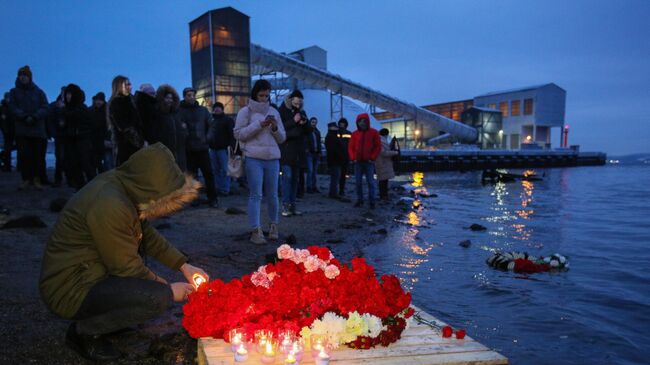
column 598, row 312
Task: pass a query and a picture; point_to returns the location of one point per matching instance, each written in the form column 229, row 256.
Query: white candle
column 269, row 355
column 242, row 354
column 322, row 358
column 291, row 360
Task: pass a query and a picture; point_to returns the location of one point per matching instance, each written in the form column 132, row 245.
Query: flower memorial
column 308, row 293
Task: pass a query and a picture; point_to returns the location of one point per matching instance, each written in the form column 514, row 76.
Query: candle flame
column 269, row 348
column 322, row 353
column 198, row 279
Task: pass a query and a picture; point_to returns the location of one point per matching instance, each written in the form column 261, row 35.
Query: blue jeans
column 312, row 168
column 366, row 168
column 290, row 176
column 219, row 162
column 262, row 173
column 335, row 176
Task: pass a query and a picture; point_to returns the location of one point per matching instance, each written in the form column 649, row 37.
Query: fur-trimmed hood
column 160, row 98
column 170, row 202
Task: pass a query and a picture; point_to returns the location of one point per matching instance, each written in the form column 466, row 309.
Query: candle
column 291, row 359
column 268, row 357
column 323, row 358
column 242, row 354
column 316, row 347
column 198, row 279
column 296, row 350
column 235, row 341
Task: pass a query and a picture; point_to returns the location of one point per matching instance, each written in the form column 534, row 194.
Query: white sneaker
column 273, row 232
column 257, row 236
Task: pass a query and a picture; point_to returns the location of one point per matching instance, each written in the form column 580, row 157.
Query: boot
column 292, row 209
column 257, row 236
column 286, row 211
column 273, row 232
column 96, row 348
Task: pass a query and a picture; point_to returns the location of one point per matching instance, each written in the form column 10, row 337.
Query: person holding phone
column 259, row 133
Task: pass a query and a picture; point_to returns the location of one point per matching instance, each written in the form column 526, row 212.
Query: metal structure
column 266, row 60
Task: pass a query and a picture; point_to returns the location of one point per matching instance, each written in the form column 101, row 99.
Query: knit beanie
column 25, row 71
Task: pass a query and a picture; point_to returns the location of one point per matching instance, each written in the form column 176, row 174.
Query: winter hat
column 363, row 116
column 343, row 120
column 99, row 96
column 188, row 89
column 25, row 71
column 148, row 89
column 218, row 104
column 383, row 132
column 296, row 94
column 332, row 125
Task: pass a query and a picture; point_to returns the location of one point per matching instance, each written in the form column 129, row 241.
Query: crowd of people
column 281, row 145
column 136, row 156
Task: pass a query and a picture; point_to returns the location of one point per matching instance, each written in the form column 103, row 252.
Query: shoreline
column 216, row 241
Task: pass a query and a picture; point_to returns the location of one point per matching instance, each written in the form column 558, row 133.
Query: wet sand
column 212, row 239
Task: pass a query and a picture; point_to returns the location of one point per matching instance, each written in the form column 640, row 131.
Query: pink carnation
column 260, row 279
column 331, row 271
column 312, row 264
column 301, row 256
column 285, row 252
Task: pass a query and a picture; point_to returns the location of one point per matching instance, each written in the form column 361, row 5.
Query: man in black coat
column 28, row 106
column 293, row 153
column 197, row 119
column 56, row 127
column 79, row 128
column 313, row 156
column 221, row 137
column 97, row 115
column 345, row 136
column 145, row 102
column 337, row 155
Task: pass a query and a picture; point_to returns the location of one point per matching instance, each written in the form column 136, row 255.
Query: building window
column 515, row 108
column 503, row 106
column 492, row 106
column 528, row 106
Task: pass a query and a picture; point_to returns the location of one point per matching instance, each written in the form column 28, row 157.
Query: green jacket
column 99, row 232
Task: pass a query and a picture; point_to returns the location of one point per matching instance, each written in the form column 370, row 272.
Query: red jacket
column 364, row 145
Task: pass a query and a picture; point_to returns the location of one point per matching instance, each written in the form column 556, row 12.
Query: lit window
column 503, row 106
column 492, row 106
column 515, row 108
column 528, row 106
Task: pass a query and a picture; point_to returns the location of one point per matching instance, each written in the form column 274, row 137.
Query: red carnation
column 447, row 331
column 460, row 334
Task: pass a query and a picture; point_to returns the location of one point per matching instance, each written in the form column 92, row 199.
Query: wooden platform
column 419, row 345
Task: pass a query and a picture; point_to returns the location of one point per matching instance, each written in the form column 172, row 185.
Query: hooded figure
column 364, row 148
column 167, row 127
column 93, row 268
column 78, row 134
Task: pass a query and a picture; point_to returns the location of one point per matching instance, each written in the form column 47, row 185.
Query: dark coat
column 314, row 147
column 169, row 130
column 146, row 105
column 100, row 127
column 197, row 119
column 55, row 120
column 125, row 120
column 293, row 149
column 345, row 136
column 221, row 132
column 27, row 101
column 337, row 154
column 75, row 113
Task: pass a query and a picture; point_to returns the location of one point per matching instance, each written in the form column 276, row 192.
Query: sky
column 422, row 51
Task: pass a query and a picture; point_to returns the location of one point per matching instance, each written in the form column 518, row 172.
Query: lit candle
column 296, row 350
column 291, row 359
column 235, row 341
column 323, row 358
column 242, row 354
column 268, row 357
column 316, row 347
column 198, row 279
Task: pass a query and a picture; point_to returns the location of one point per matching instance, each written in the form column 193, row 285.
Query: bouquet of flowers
column 307, row 292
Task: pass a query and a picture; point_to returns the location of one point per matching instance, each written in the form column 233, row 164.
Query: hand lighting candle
column 241, row 354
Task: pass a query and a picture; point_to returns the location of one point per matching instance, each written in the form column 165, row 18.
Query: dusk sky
column 422, row 51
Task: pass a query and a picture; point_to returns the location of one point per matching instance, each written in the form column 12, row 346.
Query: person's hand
column 181, row 291
column 265, row 123
column 189, row 271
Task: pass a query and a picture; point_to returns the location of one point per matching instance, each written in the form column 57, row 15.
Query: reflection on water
column 418, row 179
column 526, row 199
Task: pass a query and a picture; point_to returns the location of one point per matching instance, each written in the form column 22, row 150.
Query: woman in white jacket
column 259, row 131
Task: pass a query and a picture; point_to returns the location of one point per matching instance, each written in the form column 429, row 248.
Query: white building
column 528, row 114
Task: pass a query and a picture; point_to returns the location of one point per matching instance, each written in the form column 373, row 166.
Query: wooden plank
column 420, row 345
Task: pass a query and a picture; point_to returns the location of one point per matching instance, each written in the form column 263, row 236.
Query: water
column 597, row 313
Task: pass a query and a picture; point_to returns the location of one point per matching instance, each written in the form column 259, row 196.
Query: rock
column 28, row 221
column 477, row 227
column 56, row 205
column 465, row 243
column 334, row 240
column 233, row 210
column 162, row 226
column 381, row 231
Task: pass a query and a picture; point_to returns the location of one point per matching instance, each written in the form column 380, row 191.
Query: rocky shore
column 214, row 239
